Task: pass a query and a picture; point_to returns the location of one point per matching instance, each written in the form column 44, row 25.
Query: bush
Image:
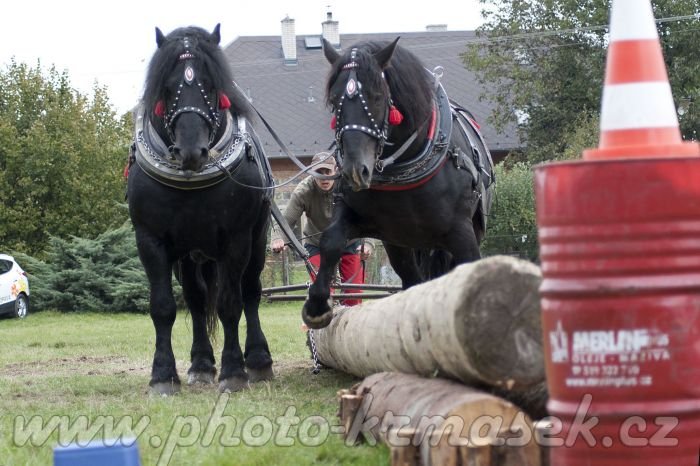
column 512, row 226
column 78, row 274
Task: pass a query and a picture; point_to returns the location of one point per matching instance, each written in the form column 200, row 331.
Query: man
column 314, row 197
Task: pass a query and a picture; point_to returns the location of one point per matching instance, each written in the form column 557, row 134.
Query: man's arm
column 292, row 214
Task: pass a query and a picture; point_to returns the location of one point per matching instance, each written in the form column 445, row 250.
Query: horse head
column 359, row 96
column 187, row 93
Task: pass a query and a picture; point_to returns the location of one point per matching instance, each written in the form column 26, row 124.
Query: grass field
column 70, row 377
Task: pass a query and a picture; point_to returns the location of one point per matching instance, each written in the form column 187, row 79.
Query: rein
column 289, row 153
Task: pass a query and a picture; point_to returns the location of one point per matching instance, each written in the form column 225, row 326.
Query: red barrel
column 620, row 252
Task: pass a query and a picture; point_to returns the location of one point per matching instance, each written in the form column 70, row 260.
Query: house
column 284, row 78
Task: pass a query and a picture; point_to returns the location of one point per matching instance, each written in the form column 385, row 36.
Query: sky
column 111, row 42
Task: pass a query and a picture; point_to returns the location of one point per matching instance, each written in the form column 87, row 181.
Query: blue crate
column 123, row 452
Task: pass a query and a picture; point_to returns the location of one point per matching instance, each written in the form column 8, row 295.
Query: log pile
column 478, row 326
column 437, row 422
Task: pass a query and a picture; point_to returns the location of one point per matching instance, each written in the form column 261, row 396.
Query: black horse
column 194, row 211
column 416, row 172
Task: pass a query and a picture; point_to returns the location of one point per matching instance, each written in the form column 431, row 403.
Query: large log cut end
column 500, row 318
column 479, row 324
column 437, row 422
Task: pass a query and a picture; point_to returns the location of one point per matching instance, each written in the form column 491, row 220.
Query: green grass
column 94, row 369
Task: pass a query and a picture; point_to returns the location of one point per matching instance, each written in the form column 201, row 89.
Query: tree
column 543, row 63
column 61, row 157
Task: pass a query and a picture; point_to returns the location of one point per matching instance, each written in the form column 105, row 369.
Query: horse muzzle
column 359, row 176
column 191, row 159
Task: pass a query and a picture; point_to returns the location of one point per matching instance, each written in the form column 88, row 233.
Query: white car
column 14, row 288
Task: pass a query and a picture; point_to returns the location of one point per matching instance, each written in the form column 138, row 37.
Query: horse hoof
column 259, row 375
column 316, row 322
column 233, row 384
column 200, row 378
column 165, row 388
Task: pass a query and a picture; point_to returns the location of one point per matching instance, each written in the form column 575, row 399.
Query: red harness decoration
column 224, row 101
column 395, row 116
column 160, row 109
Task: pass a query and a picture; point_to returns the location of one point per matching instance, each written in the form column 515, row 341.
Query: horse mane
column 409, row 82
column 213, row 61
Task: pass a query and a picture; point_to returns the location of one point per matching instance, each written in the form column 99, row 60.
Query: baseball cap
column 328, row 161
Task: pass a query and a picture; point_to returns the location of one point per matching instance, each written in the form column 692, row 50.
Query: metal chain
column 317, row 366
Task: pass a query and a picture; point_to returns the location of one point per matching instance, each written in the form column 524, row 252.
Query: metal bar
column 285, row 288
column 368, row 286
column 301, row 297
column 348, row 286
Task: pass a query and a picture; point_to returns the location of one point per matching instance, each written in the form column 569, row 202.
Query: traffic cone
column 638, row 117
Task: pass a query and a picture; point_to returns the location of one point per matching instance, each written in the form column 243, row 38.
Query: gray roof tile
column 280, row 92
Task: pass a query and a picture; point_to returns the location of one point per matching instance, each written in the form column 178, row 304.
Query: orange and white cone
column 638, row 117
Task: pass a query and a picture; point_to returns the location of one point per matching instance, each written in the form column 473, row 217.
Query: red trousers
column 351, row 271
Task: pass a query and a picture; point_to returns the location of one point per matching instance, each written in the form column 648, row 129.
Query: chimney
column 436, row 27
column 330, row 30
column 289, row 41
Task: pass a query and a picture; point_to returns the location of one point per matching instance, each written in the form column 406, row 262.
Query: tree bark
column 479, row 324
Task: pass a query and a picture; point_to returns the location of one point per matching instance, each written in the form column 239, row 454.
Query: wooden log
column 440, row 422
column 349, row 405
column 533, row 400
column 404, row 455
column 479, row 324
column 542, row 429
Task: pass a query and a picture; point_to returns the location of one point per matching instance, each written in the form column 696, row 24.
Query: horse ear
column 329, row 51
column 216, row 34
column 384, row 55
column 160, row 37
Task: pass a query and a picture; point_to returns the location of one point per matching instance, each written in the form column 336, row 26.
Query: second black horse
column 416, row 172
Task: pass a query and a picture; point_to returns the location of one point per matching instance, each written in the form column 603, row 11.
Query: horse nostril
column 365, row 172
column 205, row 153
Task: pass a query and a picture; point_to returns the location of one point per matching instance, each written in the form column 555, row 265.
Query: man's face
column 325, row 185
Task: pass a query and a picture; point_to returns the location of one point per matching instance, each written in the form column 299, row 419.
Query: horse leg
column 154, row 257
column 403, row 261
column 233, row 376
column 462, row 244
column 317, row 312
column 258, row 361
column 197, row 283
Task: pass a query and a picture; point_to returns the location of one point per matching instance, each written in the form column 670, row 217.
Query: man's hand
column 277, row 245
column 364, row 250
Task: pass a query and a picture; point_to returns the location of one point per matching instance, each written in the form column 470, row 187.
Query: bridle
column 189, row 78
column 392, row 117
column 353, row 89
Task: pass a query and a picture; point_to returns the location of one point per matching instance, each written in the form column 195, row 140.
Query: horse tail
column 210, row 287
column 205, row 281
column 433, row 263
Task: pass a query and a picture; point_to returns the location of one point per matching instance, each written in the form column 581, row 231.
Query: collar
column 423, row 166
column 153, row 156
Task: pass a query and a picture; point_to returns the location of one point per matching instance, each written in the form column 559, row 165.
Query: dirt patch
column 115, row 365
column 81, row 365
column 288, row 367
